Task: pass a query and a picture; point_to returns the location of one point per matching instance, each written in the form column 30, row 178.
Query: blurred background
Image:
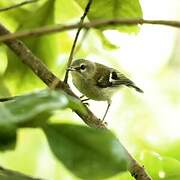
column 147, row 124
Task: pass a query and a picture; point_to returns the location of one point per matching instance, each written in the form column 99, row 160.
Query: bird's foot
column 82, row 96
column 103, row 122
column 84, row 101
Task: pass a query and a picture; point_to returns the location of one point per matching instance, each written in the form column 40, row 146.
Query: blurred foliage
column 114, row 9
column 66, row 151
column 163, row 167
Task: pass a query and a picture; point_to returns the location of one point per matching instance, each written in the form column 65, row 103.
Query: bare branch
column 136, row 170
column 28, row 58
column 76, row 38
column 96, row 23
column 17, row 5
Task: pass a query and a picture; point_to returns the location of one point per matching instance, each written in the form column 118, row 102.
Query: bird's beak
column 71, row 69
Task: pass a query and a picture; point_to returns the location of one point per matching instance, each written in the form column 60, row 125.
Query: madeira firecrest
column 97, row 81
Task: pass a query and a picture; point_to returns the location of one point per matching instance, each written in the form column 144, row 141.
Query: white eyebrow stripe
column 110, row 77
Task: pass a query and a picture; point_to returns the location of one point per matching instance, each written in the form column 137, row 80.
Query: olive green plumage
column 97, row 81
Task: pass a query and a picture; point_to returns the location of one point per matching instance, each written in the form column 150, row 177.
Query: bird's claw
column 85, row 103
column 103, row 122
column 81, row 96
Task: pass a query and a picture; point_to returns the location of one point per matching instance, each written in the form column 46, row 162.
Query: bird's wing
column 103, row 81
column 114, row 78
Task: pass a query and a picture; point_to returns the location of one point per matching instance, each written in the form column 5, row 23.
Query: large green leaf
column 89, row 153
column 23, row 108
column 66, row 11
column 108, row 9
column 32, row 109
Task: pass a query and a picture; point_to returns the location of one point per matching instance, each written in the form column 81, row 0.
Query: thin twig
column 7, row 99
column 28, row 58
column 93, row 24
column 76, row 38
column 17, row 5
column 81, row 41
column 11, row 174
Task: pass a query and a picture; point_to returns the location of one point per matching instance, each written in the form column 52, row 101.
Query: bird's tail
column 130, row 83
column 136, row 88
column 127, row 82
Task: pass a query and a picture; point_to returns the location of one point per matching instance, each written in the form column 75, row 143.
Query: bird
column 97, row 81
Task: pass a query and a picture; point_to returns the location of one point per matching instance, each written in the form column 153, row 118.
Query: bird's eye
column 83, row 67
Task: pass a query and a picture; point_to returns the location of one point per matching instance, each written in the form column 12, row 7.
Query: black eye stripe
column 114, row 75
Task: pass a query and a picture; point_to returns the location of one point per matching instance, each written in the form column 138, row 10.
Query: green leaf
column 3, row 58
column 108, row 9
column 23, row 108
column 18, row 16
column 89, row 153
column 12, row 18
column 105, row 42
column 161, row 167
column 7, row 135
column 44, row 47
column 66, row 11
column 4, row 91
column 32, row 109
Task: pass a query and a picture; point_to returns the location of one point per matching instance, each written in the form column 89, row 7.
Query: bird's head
column 83, row 68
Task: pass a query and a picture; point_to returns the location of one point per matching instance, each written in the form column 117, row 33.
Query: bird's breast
column 90, row 90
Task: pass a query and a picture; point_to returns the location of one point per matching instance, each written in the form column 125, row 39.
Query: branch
column 136, row 170
column 35, row 64
column 82, row 40
column 92, row 24
column 17, row 5
column 10, row 174
column 28, row 58
column 76, row 38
